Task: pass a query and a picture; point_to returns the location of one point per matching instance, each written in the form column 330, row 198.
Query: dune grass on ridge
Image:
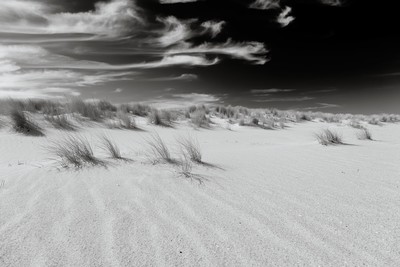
column 21, row 123
column 329, row 137
column 74, row 150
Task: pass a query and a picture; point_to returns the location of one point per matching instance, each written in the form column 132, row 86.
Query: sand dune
column 269, row 198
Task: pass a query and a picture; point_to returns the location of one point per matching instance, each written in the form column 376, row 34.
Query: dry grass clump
column 126, row 121
column 106, row 106
column 113, row 124
column 154, row 117
column 161, row 118
column 303, row 116
column 111, row 148
column 329, row 137
column 190, row 148
column 75, row 151
column 374, row 121
column 364, row 134
column 356, row 124
column 159, row 150
column 199, row 119
column 21, row 123
column 186, row 167
column 86, row 109
column 136, row 109
column 31, row 105
column 255, row 121
column 61, row 122
column 267, row 123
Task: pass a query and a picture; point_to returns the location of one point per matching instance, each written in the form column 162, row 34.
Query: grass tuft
column 75, row 151
column 61, row 122
column 155, row 117
column 190, row 148
column 159, row 150
column 186, row 166
column 364, row 134
column 23, row 124
column 127, row 121
column 199, row 119
column 329, row 137
column 111, row 148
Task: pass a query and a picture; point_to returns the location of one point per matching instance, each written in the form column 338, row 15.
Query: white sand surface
column 268, row 198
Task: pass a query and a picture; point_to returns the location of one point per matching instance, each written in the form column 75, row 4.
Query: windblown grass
column 111, row 148
column 329, row 137
column 199, row 119
column 186, row 166
column 21, row 123
column 75, row 151
column 154, row 117
column 91, row 111
column 190, row 148
column 61, row 122
column 159, row 150
column 364, row 134
column 136, row 109
column 127, row 121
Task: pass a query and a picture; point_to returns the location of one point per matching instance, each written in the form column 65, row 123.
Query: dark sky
column 328, row 55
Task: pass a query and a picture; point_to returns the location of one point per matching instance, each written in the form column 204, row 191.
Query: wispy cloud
column 284, row 19
column 179, row 100
column 213, row 27
column 44, row 46
column 265, row 4
column 271, row 90
column 43, row 82
column 174, row 31
column 285, row 99
column 322, row 106
column 177, row 1
column 250, row 51
column 182, row 77
column 333, row 2
column 113, row 18
column 37, row 57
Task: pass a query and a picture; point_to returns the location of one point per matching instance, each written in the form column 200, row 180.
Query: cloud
column 254, row 52
column 213, row 27
column 322, row 91
column 53, row 83
column 8, row 66
column 333, row 2
column 284, row 19
column 42, row 46
column 177, row 1
column 323, row 106
column 114, row 18
column 289, row 99
column 37, row 57
column 182, row 77
column 179, row 100
column 272, row 90
column 197, row 98
column 175, row 31
column 265, row 4
column 30, row 93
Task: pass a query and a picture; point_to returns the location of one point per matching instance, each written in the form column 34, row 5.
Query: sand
column 268, row 198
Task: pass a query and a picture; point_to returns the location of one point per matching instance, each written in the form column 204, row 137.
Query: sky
column 318, row 55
